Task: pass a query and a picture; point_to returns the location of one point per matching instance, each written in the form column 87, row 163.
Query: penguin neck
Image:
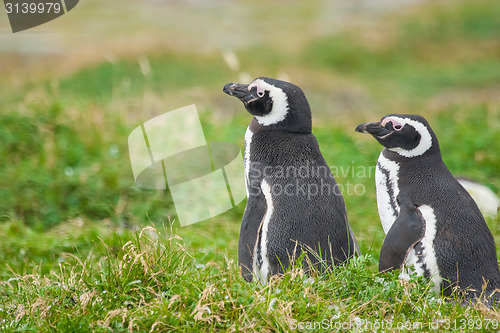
column 432, row 156
column 287, row 125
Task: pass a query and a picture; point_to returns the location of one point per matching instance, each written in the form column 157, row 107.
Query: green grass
column 72, row 253
column 153, row 282
column 77, row 276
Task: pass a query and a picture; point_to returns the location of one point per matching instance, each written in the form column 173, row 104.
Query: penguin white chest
column 423, row 256
column 386, row 181
column 246, row 158
column 261, row 265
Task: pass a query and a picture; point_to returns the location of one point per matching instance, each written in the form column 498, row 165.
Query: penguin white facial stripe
column 425, row 137
column 280, row 103
column 262, row 272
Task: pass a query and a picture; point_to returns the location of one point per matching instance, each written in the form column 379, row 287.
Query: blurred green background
column 73, row 89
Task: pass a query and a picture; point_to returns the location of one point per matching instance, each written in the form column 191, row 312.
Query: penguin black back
column 294, row 202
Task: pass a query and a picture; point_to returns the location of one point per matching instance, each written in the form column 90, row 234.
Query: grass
column 153, row 283
column 83, row 249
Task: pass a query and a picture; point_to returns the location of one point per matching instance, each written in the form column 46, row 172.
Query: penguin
column 294, row 204
column 431, row 222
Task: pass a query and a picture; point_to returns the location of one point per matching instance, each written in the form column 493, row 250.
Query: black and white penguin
column 294, row 203
column 430, row 221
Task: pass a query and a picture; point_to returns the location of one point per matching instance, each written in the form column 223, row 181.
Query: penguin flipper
column 250, row 224
column 407, row 230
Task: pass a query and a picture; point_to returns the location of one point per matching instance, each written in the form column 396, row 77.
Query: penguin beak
column 375, row 129
column 239, row 91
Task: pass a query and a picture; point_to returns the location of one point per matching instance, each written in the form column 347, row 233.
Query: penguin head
column 405, row 134
column 274, row 104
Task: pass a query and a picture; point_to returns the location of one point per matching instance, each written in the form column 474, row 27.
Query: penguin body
column 455, row 246
column 294, row 203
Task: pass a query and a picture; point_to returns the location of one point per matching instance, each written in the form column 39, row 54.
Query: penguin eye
column 389, row 122
column 260, row 91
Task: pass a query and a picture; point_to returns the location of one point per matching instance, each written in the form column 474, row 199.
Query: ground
column 82, row 248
